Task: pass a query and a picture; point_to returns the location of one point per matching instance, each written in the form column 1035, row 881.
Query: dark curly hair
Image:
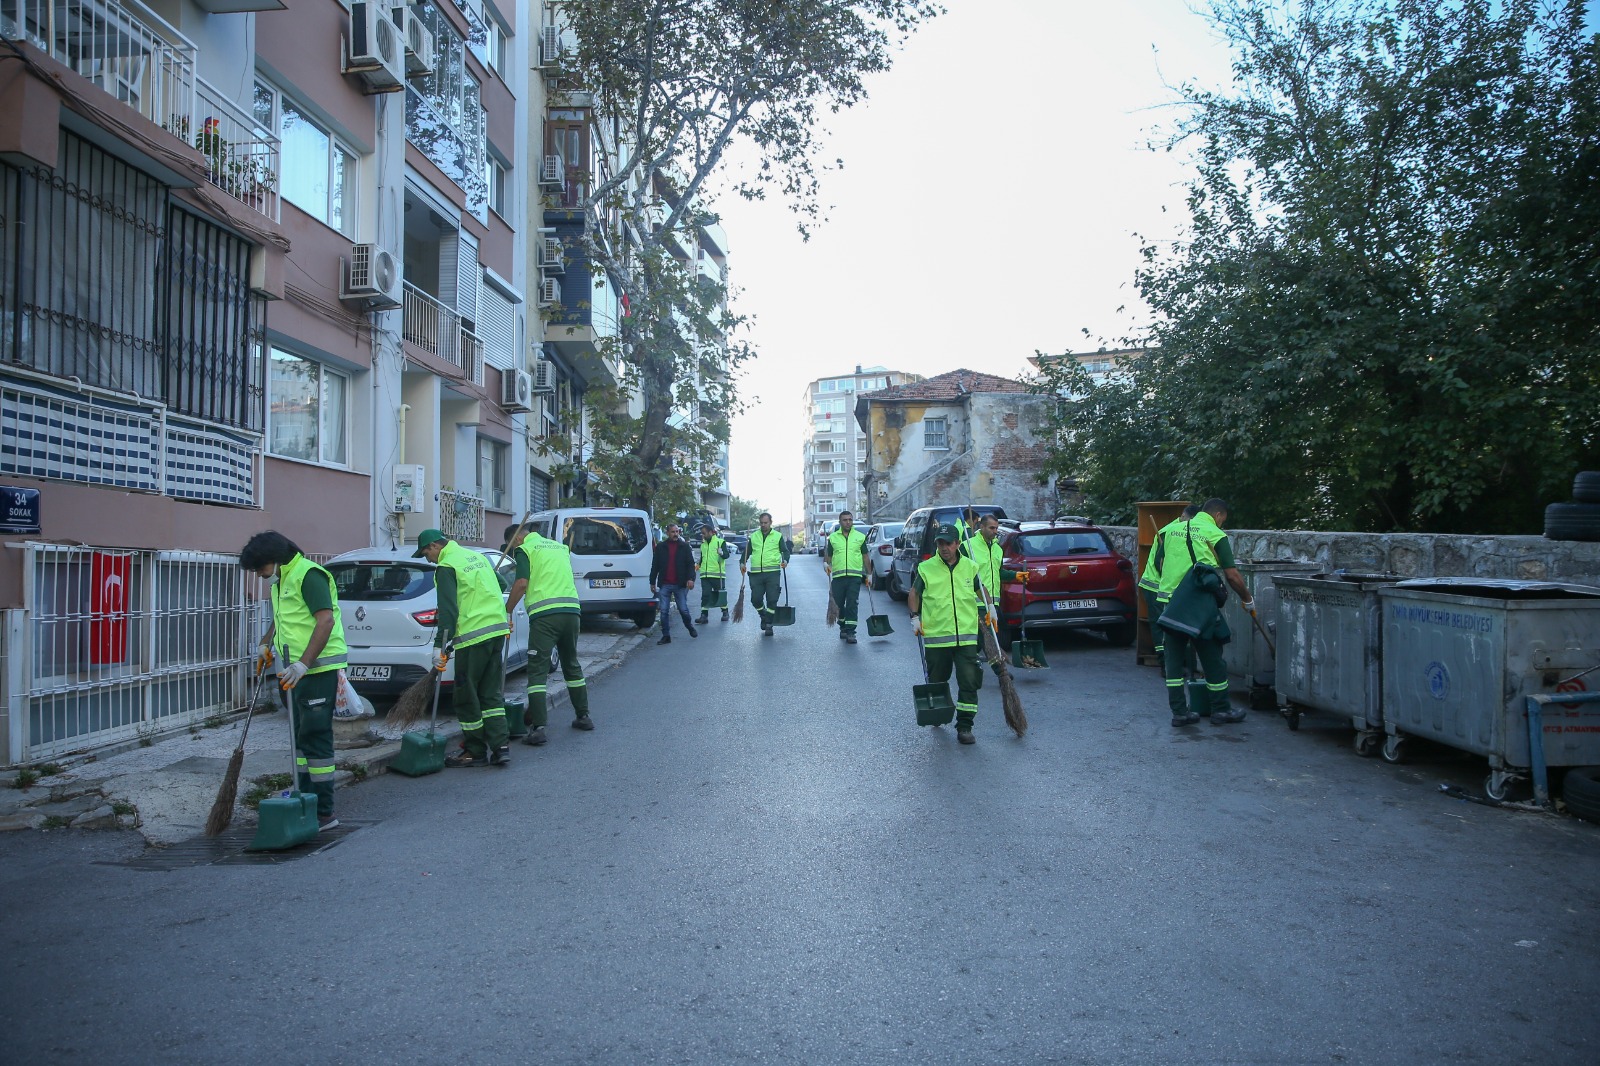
column 268, row 547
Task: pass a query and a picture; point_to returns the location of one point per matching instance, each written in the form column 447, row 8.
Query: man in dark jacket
column 671, row 578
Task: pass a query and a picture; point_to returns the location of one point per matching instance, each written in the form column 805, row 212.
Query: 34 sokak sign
column 19, row 510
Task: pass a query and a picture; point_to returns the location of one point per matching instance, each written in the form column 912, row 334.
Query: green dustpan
column 877, row 624
column 422, row 753
column 933, row 703
column 783, row 615
column 288, row 819
column 1030, row 649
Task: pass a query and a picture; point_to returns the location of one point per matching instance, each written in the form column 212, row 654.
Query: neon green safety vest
column 480, row 608
column 712, row 564
column 294, row 622
column 949, row 604
column 766, row 552
column 987, row 558
column 1151, row 578
column 1201, row 530
column 845, row 552
column 551, row 586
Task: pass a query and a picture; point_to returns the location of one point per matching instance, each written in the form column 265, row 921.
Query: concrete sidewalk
column 166, row 790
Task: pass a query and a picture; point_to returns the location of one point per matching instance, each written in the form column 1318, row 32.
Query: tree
column 1385, row 314
column 686, row 80
column 742, row 513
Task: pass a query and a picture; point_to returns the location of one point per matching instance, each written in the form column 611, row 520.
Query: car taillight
column 925, row 558
column 1123, row 564
column 426, row 618
column 885, row 549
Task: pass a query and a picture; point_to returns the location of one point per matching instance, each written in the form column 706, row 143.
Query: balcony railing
column 241, row 159
column 138, row 59
column 460, row 515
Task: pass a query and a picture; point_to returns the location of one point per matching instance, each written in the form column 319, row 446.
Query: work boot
column 766, row 628
column 1226, row 717
column 1186, row 719
column 535, row 737
column 665, row 639
column 500, row 756
column 325, row 824
column 693, row 632
column 965, row 735
column 465, row 759
column 703, row 619
column 724, row 614
column 841, row 633
column 583, row 722
column 849, row 636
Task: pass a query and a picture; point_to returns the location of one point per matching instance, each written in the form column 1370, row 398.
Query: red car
column 1076, row 580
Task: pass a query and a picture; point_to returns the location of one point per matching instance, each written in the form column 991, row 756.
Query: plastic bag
column 349, row 703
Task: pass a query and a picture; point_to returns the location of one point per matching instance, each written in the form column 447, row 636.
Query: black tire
column 1586, row 486
column 896, row 593
column 1572, row 521
column 1581, row 790
column 1122, row 634
column 643, row 619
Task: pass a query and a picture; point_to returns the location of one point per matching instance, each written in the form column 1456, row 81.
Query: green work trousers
column 1178, row 650
column 313, row 736
column 554, row 629
column 969, row 679
column 480, row 698
column 764, row 592
column 846, row 593
column 1152, row 611
column 713, row 593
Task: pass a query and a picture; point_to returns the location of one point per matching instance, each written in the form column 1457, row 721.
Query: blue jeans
column 669, row 595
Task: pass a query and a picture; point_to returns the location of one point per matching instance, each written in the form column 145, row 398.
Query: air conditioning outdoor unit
column 550, row 46
column 549, row 292
column 516, row 390
column 371, row 279
column 551, row 171
column 377, row 54
column 544, row 376
column 419, row 46
column 552, row 256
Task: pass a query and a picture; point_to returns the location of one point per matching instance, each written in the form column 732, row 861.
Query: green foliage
column 742, row 514
column 687, row 80
column 1386, row 314
column 25, row 778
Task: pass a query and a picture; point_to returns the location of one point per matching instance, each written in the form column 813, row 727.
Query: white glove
column 916, row 624
column 290, row 675
column 826, row 569
column 1249, row 605
column 441, row 659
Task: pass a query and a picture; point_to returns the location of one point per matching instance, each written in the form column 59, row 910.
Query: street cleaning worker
column 765, row 559
column 1192, row 613
column 985, row 552
column 714, row 553
column 946, row 611
column 305, row 625
column 544, row 575
column 844, row 555
column 473, row 613
column 1150, row 580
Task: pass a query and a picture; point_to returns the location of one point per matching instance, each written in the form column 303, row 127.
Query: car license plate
column 1077, row 605
column 369, row 673
column 607, row 583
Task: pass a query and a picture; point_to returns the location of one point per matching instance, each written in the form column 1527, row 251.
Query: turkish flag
column 108, row 608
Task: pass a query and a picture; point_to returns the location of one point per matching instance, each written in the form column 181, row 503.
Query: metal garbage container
column 1460, row 656
column 1248, row 655
column 1330, row 642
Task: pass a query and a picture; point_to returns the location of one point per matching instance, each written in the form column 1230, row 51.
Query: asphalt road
column 757, row 857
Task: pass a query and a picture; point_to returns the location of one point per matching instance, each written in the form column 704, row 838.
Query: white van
column 611, row 551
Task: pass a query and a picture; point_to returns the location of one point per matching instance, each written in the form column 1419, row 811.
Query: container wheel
column 1396, row 750
column 1368, row 743
column 1293, row 717
column 1498, row 785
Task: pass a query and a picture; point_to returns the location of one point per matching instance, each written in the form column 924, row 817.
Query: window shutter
column 459, row 273
column 497, row 325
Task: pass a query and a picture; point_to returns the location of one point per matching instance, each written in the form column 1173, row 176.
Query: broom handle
column 438, row 682
column 294, row 762
column 250, row 711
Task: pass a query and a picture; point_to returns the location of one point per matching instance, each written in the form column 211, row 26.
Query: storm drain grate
column 228, row 850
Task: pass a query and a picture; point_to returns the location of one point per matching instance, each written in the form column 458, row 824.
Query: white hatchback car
column 880, row 549
column 388, row 608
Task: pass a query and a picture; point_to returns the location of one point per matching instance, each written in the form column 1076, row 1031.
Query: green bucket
column 515, row 721
column 288, row 820
column 1199, row 698
column 420, row 753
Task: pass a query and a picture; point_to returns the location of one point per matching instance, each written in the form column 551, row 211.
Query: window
column 444, row 110
column 829, row 386
column 491, row 52
column 608, row 535
column 492, row 473
column 567, row 135
column 494, row 176
column 307, row 408
column 319, row 172
column 828, row 488
column 936, row 433
column 827, row 507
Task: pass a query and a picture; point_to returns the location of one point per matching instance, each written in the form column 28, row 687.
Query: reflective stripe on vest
column 949, row 602
column 712, row 564
column 847, row 548
column 294, row 622
column 766, row 553
column 1151, row 578
column 551, row 586
column 480, row 606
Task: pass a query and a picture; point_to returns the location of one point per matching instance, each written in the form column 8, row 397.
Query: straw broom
column 1016, row 717
column 221, row 815
column 833, row 608
column 738, row 605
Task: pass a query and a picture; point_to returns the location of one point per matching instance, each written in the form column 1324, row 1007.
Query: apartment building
column 264, row 265
column 834, row 451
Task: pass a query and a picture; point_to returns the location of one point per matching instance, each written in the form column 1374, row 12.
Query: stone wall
column 1411, row 554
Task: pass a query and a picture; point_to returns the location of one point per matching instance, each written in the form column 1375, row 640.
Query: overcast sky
column 994, row 184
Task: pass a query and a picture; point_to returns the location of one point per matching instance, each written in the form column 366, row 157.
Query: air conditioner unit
column 516, row 390
column 419, row 46
column 371, row 279
column 552, row 255
column 550, row 46
column 549, row 292
column 544, row 376
column 377, row 54
column 552, row 171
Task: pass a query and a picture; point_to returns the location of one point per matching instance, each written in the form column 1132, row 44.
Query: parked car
column 915, row 542
column 611, row 548
column 1076, row 580
column 388, row 607
column 880, row 549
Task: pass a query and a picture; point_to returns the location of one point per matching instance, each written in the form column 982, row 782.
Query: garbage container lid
column 1501, row 587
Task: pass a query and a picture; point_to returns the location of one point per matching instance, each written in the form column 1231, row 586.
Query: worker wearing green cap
column 472, row 625
column 946, row 611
